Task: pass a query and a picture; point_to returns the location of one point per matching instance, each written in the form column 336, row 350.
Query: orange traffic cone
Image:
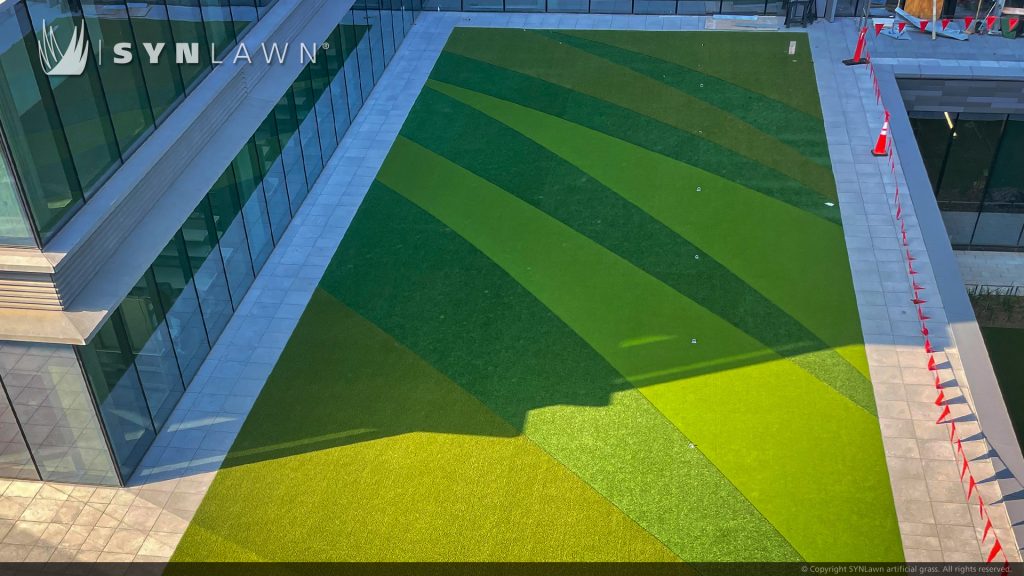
column 858, row 57
column 882, row 144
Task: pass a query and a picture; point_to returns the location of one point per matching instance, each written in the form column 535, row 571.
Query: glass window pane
column 291, row 149
column 187, row 27
column 200, row 236
column 351, row 34
column 173, row 276
column 324, row 106
column 254, row 205
column 152, row 349
column 243, row 14
column 408, row 15
column 268, row 151
column 220, row 29
column 108, row 365
column 50, row 396
column 933, row 133
column 262, row 6
column 150, row 23
column 336, row 77
column 80, row 101
column 361, row 30
column 496, row 5
column 231, row 235
column 125, row 90
column 387, row 29
column 376, row 40
column 968, row 163
column 15, row 459
column 33, row 128
column 14, row 228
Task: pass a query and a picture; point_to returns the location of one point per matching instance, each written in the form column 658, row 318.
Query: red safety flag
column 901, row 26
column 963, row 470
column 912, row 258
column 931, row 365
column 938, row 386
column 970, row 484
column 952, row 429
column 924, row 24
column 996, row 549
column 967, row 21
column 940, row 398
column 990, row 21
column 921, row 315
column 981, row 508
column 916, row 285
column 918, row 301
column 905, row 238
column 988, row 526
column 878, row 28
column 928, row 346
column 910, row 269
column 924, row 330
column 960, row 448
column 899, row 210
column 945, row 412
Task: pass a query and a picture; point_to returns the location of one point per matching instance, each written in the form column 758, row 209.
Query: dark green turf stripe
column 792, row 127
column 630, row 126
column 559, row 63
column 432, row 291
column 534, row 174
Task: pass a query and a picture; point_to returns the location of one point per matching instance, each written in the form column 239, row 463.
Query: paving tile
column 125, row 541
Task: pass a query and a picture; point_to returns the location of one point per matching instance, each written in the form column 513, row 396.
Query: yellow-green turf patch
column 357, row 450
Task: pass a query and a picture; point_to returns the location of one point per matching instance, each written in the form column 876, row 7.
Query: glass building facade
column 975, row 165
column 89, row 413
column 65, row 135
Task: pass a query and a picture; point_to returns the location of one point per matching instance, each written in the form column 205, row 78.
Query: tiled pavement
column 992, row 269
column 45, row 521
column 936, row 522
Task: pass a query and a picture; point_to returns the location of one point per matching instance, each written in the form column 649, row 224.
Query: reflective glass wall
column 143, row 358
column 976, row 166
column 64, row 135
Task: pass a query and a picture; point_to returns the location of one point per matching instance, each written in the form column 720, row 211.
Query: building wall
column 140, row 360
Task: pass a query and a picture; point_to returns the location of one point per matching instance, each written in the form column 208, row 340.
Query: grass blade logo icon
column 67, row 62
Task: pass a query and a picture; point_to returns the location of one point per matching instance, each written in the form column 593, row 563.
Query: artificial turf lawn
column 539, row 341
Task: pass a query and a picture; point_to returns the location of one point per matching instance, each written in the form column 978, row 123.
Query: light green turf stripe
column 803, row 454
column 570, row 67
column 796, row 260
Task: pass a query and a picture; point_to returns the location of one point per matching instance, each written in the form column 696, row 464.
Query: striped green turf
column 499, row 361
